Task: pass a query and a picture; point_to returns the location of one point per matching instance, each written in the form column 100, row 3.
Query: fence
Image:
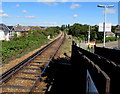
column 103, row 71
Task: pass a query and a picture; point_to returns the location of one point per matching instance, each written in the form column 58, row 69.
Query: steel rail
column 46, row 67
column 6, row 75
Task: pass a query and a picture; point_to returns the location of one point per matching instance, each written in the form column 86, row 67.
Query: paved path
column 109, row 44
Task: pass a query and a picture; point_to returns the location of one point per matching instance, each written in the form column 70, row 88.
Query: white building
column 4, row 32
column 2, row 35
column 110, row 34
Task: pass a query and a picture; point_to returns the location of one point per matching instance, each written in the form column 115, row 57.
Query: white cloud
column 18, row 16
column 64, row 0
column 45, row 23
column 0, row 3
column 24, row 11
column 73, row 6
column 51, row 3
column 48, row 2
column 1, row 11
column 4, row 15
column 49, row 23
column 30, row 17
column 75, row 15
column 17, row 5
column 110, row 11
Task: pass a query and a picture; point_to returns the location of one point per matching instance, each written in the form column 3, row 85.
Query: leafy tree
column 63, row 27
column 78, row 30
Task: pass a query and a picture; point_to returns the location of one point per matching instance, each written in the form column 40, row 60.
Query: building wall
column 2, row 35
column 18, row 34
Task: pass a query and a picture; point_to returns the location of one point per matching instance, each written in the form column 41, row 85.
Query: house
column 45, row 28
column 117, row 29
column 12, row 32
column 26, row 28
column 36, row 28
column 4, row 32
column 110, row 34
column 21, row 29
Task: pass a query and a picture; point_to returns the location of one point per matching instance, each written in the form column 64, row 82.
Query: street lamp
column 89, row 35
column 105, row 6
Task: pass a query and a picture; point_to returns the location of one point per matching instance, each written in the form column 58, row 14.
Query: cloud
column 24, row 11
column 1, row 11
column 31, row 17
column 110, row 11
column 17, row 5
column 75, row 15
column 51, row 3
column 49, row 23
column 18, row 16
column 73, row 6
column 48, row 2
column 45, row 23
column 4, row 15
column 0, row 3
column 64, row 0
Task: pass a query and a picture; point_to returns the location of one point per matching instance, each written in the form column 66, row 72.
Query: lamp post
column 89, row 35
column 105, row 6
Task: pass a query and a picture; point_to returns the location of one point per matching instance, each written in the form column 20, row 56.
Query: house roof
column 36, row 28
column 20, row 28
column 4, row 27
column 26, row 28
column 110, row 34
column 10, row 27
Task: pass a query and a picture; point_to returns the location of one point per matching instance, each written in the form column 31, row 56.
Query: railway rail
column 27, row 76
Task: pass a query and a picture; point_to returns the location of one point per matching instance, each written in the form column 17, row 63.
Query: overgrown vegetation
column 32, row 39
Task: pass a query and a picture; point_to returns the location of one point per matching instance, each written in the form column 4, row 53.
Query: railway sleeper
column 26, row 78
column 30, row 73
column 16, row 86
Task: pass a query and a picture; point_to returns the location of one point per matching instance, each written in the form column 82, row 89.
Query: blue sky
column 56, row 13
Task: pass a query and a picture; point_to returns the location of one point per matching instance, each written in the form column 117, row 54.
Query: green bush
column 20, row 44
column 107, row 39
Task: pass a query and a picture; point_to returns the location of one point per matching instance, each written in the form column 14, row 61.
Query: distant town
column 7, row 32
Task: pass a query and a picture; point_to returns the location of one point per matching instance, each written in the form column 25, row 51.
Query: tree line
column 81, row 31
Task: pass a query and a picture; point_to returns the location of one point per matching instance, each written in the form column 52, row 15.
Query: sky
column 56, row 13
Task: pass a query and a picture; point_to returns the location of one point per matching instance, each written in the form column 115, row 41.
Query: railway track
column 28, row 75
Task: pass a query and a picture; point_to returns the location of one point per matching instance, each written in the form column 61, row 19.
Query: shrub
column 110, row 39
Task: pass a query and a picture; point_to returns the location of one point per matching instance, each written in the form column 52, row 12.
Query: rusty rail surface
column 33, row 59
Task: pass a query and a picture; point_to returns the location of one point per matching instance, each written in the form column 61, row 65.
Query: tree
column 78, row 30
column 63, row 27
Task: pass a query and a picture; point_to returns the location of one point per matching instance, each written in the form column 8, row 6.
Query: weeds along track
column 27, row 76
